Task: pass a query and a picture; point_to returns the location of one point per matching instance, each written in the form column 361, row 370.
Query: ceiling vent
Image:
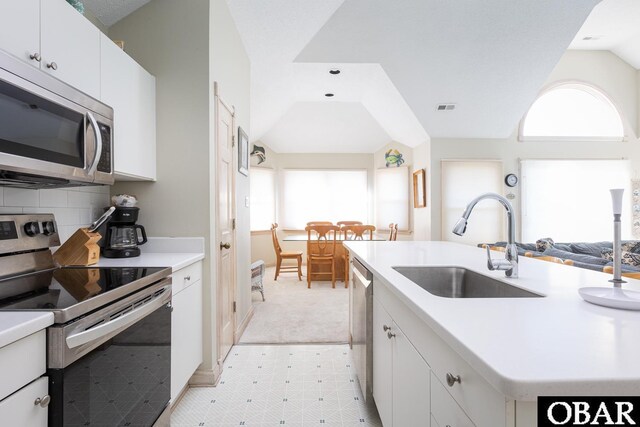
column 445, row 107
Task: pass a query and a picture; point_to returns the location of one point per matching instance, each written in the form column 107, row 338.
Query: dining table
column 341, row 253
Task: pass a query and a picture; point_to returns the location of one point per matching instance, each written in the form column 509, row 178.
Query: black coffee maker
column 122, row 235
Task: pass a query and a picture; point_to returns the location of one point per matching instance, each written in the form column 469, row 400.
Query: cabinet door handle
column 390, row 335
column 451, row 379
column 52, row 65
column 386, row 328
column 225, row 245
column 35, row 56
column 43, row 401
column 187, row 278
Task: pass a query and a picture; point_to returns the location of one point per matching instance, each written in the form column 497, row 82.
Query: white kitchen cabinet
column 16, row 370
column 72, row 43
column 444, row 408
column 67, row 44
column 21, row 409
column 186, row 327
column 131, row 92
column 400, row 374
column 20, row 29
column 421, row 362
column 382, row 362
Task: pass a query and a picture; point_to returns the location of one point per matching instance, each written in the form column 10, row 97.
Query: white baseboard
column 243, row 325
column 205, row 377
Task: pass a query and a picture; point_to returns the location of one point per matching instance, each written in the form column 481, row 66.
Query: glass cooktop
column 75, row 291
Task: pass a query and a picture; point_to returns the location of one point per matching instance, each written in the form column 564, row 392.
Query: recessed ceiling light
column 588, row 38
column 335, row 71
column 328, row 95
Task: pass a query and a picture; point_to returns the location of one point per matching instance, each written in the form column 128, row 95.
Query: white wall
column 230, row 67
column 599, row 68
column 73, row 207
column 170, row 39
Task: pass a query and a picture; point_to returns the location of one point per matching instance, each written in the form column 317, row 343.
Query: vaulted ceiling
column 399, row 60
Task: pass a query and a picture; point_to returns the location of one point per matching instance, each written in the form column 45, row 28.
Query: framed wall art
column 419, row 189
column 243, row 152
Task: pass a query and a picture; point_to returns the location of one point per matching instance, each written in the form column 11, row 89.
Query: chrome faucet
column 510, row 264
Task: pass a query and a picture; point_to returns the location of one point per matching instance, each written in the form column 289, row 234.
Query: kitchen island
column 511, row 349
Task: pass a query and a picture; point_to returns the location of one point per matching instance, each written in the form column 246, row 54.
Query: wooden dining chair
column 354, row 232
column 393, row 231
column 344, row 228
column 321, row 250
column 280, row 255
column 319, row 223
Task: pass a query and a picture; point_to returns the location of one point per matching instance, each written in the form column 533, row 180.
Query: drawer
column 22, row 362
column 186, row 276
column 473, row 393
column 444, row 410
column 20, row 408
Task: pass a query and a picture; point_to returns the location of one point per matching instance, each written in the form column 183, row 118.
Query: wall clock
column 511, row 180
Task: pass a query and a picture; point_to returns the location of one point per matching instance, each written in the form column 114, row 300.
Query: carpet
column 294, row 314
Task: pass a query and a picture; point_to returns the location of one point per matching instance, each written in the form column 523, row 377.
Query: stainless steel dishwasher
column 360, row 324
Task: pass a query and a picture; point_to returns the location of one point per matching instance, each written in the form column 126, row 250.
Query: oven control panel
column 26, row 232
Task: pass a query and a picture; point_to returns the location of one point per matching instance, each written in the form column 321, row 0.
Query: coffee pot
column 123, row 235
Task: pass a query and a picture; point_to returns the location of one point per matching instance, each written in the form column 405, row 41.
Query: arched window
column 572, row 111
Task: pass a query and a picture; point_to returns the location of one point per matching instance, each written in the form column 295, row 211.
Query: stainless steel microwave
column 51, row 135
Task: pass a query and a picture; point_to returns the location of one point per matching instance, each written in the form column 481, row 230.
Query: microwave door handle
column 118, row 323
column 98, row 135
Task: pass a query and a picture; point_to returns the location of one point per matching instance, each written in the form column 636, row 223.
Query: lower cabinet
column 444, row 410
column 27, row 406
column 400, row 374
column 186, row 330
column 419, row 380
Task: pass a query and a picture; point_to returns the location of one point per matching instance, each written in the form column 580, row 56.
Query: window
column 263, row 198
column 392, row 197
column 323, row 195
column 572, row 111
column 463, row 181
column 569, row 200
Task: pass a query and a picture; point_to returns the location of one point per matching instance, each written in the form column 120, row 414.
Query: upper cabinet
column 131, row 92
column 70, row 46
column 20, row 29
column 53, row 36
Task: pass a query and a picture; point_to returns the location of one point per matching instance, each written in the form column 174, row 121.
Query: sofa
column 590, row 255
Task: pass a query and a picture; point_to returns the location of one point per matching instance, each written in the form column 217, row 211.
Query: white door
column 20, row 29
column 72, row 43
column 225, row 233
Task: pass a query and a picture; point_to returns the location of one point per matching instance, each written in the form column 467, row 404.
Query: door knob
column 43, row 401
column 225, row 245
column 451, row 379
column 35, row 56
column 52, row 66
column 385, row 328
column 390, row 335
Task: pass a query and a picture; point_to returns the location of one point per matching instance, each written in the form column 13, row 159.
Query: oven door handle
column 98, row 136
column 121, row 322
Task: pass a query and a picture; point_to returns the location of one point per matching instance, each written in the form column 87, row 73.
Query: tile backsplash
column 73, row 207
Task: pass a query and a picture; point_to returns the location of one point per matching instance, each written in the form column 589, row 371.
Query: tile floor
column 275, row 385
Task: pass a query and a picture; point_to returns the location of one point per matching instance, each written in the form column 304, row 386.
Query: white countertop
column 152, row 259
column 15, row 325
column 525, row 347
column 174, row 252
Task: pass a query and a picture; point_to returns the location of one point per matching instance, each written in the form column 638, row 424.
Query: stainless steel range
column 109, row 351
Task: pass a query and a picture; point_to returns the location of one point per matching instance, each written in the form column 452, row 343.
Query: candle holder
column 614, row 296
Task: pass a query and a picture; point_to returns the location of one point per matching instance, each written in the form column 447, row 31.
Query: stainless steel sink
column 458, row 282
